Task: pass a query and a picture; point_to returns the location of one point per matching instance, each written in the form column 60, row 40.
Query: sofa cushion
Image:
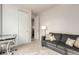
column 72, row 48
column 70, row 42
column 64, row 38
column 57, row 36
column 68, row 47
column 55, row 42
column 61, row 43
column 52, row 42
column 74, row 37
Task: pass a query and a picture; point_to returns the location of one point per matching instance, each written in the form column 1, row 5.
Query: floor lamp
column 44, row 30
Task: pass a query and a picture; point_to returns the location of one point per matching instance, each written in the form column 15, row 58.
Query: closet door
column 23, row 28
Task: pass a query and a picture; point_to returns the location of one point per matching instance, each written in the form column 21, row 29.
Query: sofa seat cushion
column 73, row 50
column 53, row 42
column 61, row 45
column 65, row 47
column 48, row 41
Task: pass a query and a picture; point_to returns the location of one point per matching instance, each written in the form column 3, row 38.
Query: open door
column 37, row 28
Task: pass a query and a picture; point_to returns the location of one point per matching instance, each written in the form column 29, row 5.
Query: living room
column 54, row 19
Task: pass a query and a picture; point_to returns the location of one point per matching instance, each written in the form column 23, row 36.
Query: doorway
column 33, row 30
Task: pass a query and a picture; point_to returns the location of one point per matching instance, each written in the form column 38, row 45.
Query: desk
column 6, row 41
column 6, row 37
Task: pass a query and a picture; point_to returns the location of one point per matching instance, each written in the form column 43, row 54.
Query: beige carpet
column 34, row 48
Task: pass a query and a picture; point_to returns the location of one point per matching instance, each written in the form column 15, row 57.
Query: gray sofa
column 59, row 44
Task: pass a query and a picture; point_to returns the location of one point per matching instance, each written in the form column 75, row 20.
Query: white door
column 23, row 28
column 37, row 28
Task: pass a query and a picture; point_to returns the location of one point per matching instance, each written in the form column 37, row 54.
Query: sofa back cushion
column 57, row 36
column 64, row 38
column 74, row 37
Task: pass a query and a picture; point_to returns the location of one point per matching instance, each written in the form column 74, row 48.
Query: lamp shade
column 43, row 27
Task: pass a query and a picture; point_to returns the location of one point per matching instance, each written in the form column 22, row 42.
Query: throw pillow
column 76, row 44
column 70, row 42
column 52, row 38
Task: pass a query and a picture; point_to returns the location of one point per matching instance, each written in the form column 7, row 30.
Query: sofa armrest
column 43, row 37
column 43, row 43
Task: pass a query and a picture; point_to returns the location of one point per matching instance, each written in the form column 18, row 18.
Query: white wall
column 10, row 20
column 61, row 19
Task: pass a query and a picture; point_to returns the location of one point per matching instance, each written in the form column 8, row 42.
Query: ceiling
column 36, row 8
